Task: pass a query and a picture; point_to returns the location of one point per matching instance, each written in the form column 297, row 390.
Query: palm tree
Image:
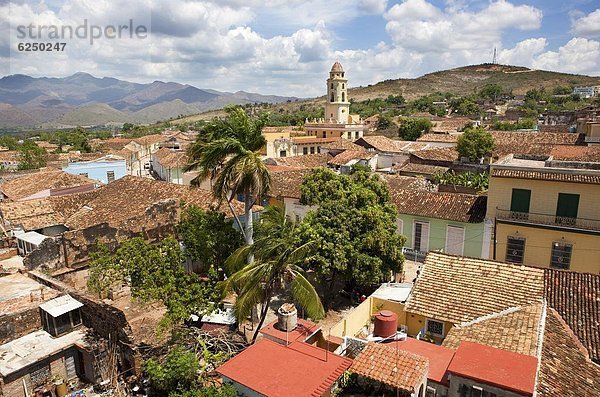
column 226, row 152
column 276, row 265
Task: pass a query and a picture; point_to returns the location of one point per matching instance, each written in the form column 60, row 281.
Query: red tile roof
column 497, row 367
column 390, row 366
column 576, row 297
column 437, row 154
column 275, row 370
column 458, row 207
column 439, row 356
column 547, row 175
column 565, row 369
column 348, row 155
column 302, row 331
column 286, row 183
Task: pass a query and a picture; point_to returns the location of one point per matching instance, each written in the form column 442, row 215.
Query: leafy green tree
column 227, row 151
column 225, row 390
column 354, row 229
column 31, row 156
column 384, row 122
column 562, row 90
column 395, row 99
column 155, row 272
column 208, row 238
column 278, row 257
column 468, row 107
column 412, row 128
column 9, row 142
column 475, row 143
column 179, row 372
column 491, row 91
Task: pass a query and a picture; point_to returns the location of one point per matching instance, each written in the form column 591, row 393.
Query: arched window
column 343, row 86
column 343, row 97
column 332, row 99
column 332, row 86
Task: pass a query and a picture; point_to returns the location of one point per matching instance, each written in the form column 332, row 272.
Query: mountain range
column 85, row 100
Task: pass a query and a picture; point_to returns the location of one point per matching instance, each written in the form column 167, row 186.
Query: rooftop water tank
column 386, row 324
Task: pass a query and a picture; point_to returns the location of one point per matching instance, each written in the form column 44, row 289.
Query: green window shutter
column 520, row 200
column 567, row 206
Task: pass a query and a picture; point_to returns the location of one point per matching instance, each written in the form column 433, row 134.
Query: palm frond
column 306, row 296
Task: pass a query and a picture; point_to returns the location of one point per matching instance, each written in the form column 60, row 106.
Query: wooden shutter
column 455, row 240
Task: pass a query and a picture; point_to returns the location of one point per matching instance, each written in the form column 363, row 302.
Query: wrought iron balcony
column 548, row 220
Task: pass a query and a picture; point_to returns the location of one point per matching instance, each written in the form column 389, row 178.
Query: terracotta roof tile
column 130, row 196
column 382, row 143
column 576, row 153
column 437, row 154
column 515, row 329
column 508, row 142
column 27, row 185
column 392, row 367
column 396, row 182
column 549, row 175
column 576, row 297
column 342, row 144
column 349, row 155
column 459, row 289
column 452, row 206
column 565, row 368
column 305, row 161
column 286, row 182
column 420, row 169
column 450, row 124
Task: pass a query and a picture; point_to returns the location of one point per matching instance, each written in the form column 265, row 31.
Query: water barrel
column 386, row 324
column 287, row 317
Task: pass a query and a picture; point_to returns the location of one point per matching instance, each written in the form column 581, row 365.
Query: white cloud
column 588, row 25
column 372, row 6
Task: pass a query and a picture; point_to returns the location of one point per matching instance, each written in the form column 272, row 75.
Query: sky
column 286, row 47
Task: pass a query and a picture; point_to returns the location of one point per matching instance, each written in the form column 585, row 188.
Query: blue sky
column 287, row 46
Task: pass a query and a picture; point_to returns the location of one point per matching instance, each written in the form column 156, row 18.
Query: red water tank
column 386, row 324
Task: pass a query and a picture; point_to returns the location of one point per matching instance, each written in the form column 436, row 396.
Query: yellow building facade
column 545, row 214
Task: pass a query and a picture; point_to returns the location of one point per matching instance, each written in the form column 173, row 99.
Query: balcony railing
column 549, row 220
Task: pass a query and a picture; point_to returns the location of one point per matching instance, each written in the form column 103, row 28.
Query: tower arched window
column 343, row 97
column 332, row 99
column 332, row 86
column 343, row 85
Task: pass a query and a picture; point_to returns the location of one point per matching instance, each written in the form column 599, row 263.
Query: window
column 76, row 317
column 515, row 248
column 520, row 200
column 435, row 327
column 84, row 174
column 476, row 391
column 324, row 134
column 566, row 208
column 332, row 99
column 332, row 86
column 343, row 97
column 421, row 236
column 304, row 150
column 561, row 255
column 431, row 392
column 455, row 240
column 110, row 175
column 312, row 150
column 282, row 153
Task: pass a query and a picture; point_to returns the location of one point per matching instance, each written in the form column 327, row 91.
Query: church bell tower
column 337, row 106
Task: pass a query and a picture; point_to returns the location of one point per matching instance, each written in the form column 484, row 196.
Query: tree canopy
column 411, row 128
column 353, row 226
column 475, row 143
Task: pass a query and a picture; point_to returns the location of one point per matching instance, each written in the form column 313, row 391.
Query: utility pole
column 494, row 61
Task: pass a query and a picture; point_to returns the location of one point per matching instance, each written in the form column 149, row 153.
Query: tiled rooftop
column 342, row 144
column 130, row 196
column 459, row 289
column 551, row 174
column 420, row 169
column 286, row 183
column 515, row 329
column 305, row 161
column 390, row 366
column 49, row 178
column 437, row 154
column 452, row 206
column 565, row 367
column 348, row 155
column 576, row 297
column 384, row 144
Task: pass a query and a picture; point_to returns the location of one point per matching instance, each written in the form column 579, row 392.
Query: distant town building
column 587, row 91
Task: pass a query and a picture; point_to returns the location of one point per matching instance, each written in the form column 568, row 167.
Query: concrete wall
column 538, row 240
column 355, row 321
column 416, row 323
column 438, row 229
column 456, row 382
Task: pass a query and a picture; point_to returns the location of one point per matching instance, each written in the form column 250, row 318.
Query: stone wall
column 73, row 248
column 16, row 325
column 107, row 321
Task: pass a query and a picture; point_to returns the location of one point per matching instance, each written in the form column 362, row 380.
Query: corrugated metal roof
column 61, row 305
